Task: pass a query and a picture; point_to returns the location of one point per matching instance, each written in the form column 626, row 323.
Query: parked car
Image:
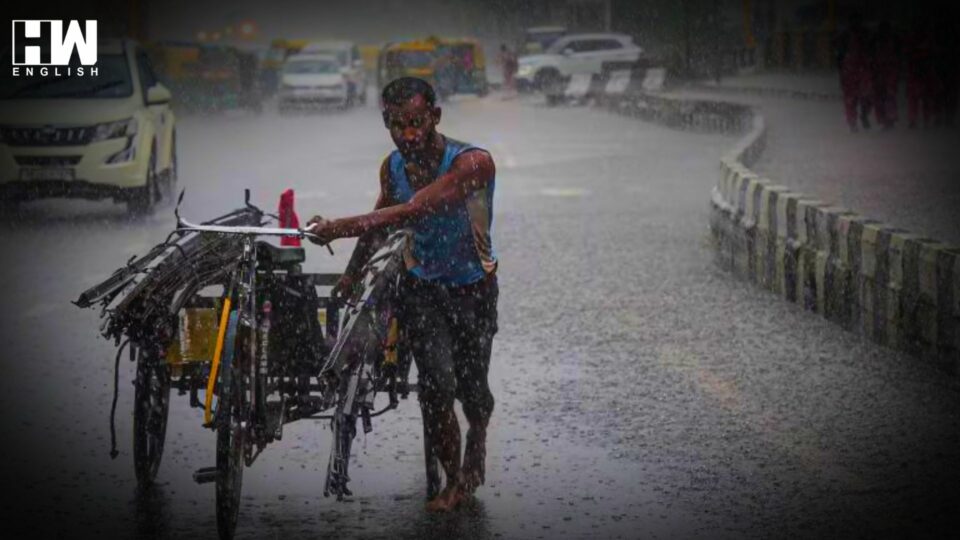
column 351, row 65
column 109, row 136
column 573, row 54
column 313, row 80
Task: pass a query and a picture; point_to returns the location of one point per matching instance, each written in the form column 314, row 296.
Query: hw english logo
column 49, row 43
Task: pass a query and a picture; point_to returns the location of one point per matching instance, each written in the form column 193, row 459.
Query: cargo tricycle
column 219, row 314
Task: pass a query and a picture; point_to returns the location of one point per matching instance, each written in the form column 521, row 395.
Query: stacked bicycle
column 231, row 320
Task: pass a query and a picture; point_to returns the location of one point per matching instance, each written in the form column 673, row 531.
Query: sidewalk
column 785, row 84
column 906, row 178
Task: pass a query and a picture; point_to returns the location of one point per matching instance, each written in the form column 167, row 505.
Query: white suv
column 92, row 137
column 573, row 54
column 351, row 65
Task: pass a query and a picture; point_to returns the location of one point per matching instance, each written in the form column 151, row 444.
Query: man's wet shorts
column 450, row 332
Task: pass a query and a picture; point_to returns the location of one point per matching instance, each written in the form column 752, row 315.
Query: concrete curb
column 895, row 288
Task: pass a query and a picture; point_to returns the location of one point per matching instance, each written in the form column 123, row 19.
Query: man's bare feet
column 448, row 499
column 472, row 479
column 473, row 463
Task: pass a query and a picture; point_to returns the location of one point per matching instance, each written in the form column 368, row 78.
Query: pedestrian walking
column 508, row 63
column 886, row 74
column 853, row 59
column 922, row 82
column 947, row 71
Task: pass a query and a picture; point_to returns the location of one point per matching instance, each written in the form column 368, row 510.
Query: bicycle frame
column 357, row 390
column 380, row 275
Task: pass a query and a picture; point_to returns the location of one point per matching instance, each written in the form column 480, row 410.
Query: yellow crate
column 197, row 335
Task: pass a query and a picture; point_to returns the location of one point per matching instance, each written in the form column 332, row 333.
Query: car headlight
column 523, row 71
column 128, row 153
column 115, row 130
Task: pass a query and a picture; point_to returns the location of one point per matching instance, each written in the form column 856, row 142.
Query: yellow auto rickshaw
column 171, row 59
column 407, row 59
column 175, row 65
column 466, row 70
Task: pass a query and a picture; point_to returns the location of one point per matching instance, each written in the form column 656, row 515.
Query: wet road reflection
column 640, row 391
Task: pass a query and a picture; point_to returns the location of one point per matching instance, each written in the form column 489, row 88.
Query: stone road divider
column 893, row 287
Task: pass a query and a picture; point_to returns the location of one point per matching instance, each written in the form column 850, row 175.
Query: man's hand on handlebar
column 321, row 229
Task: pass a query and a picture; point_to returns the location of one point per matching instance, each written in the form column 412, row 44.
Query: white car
column 573, row 54
column 312, row 80
column 93, row 137
column 351, row 65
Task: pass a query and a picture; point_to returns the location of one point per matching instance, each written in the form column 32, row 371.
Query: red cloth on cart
column 288, row 218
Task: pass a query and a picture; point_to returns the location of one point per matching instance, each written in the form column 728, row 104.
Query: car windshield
column 557, row 46
column 112, row 81
column 540, row 41
column 342, row 55
column 410, row 59
column 276, row 54
column 312, row 67
column 213, row 59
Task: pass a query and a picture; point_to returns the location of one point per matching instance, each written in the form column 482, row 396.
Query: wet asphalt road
column 641, row 392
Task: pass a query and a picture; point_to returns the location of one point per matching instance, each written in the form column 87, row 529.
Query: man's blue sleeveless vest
column 452, row 246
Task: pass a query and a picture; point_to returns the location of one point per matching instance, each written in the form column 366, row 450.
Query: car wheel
column 144, row 199
column 170, row 182
column 549, row 82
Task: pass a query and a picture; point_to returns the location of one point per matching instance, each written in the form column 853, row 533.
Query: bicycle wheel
column 231, row 435
column 150, row 410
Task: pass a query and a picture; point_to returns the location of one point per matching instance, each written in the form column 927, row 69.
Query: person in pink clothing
column 508, row 62
column 886, row 75
column 922, row 82
column 853, row 59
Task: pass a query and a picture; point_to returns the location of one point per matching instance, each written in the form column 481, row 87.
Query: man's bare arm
column 471, row 172
column 368, row 243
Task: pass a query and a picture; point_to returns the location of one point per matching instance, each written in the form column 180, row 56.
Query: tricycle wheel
column 231, row 433
column 150, row 409
column 230, row 447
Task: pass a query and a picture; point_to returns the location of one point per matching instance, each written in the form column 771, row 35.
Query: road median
column 898, row 289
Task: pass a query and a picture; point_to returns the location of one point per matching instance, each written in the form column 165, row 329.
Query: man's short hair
column 401, row 90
